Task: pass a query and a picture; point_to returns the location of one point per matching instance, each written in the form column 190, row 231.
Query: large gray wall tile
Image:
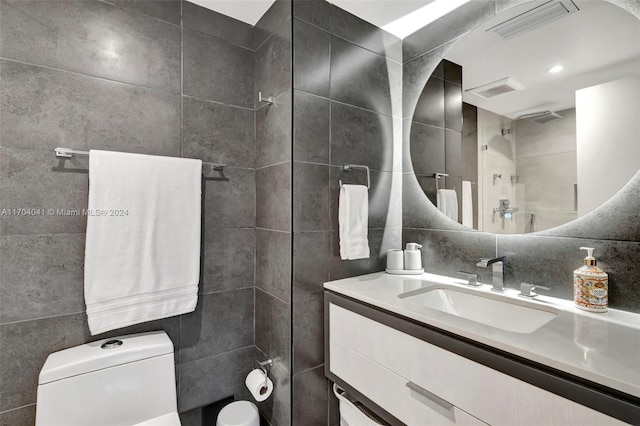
column 273, row 197
column 41, row 276
column 28, row 181
column 358, row 31
column 229, row 259
column 360, row 77
column 311, row 271
column 222, row 322
column 361, row 137
column 550, row 261
column 310, row 265
column 217, row 70
column 415, row 75
column 43, row 109
column 209, row 22
column 273, row 132
column 311, row 195
column 167, row 10
column 310, row 386
column 273, row 262
column 427, row 149
column 316, row 12
column 270, row 23
column 218, row 133
column 447, row 252
column 214, row 378
column 311, row 59
column 273, row 327
column 273, row 64
column 380, row 240
column 311, row 133
column 230, row 204
column 93, row 38
column 308, row 333
column 453, row 153
column 25, row 346
column 430, row 106
column 19, row 416
column 452, row 106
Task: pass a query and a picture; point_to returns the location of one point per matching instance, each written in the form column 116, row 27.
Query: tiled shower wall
column 347, row 79
column 141, row 77
column 548, row 257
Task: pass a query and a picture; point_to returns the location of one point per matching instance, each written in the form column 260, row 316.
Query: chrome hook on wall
column 270, row 100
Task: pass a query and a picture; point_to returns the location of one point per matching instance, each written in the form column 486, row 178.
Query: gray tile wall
column 344, row 74
column 437, row 142
column 146, row 94
column 273, row 60
column 547, row 257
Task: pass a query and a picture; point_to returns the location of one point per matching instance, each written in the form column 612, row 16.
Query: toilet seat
column 171, row 419
column 239, row 413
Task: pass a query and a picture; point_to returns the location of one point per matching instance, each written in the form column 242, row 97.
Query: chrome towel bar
column 69, row 153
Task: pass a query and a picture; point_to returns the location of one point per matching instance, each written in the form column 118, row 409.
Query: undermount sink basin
column 493, row 310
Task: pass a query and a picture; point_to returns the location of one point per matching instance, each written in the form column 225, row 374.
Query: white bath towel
column 353, row 218
column 467, row 204
column 142, row 255
column 447, row 200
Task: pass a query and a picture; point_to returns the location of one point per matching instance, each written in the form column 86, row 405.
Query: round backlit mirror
column 532, row 119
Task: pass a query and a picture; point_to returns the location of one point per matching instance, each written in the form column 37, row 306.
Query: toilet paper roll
column 255, row 382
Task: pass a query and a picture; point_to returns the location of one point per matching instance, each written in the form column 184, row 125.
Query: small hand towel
column 142, row 254
column 353, row 218
column 447, row 200
column 467, row 204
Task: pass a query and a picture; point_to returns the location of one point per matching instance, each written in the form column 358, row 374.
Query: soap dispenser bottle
column 413, row 257
column 590, row 285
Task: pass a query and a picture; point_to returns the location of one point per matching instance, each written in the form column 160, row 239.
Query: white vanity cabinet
column 411, row 381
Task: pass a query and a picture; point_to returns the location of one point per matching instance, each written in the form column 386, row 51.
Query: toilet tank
column 118, row 381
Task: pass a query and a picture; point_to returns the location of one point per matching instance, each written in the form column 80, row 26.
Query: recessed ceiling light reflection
column 555, row 69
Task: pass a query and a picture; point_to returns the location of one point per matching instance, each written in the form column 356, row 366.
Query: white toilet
column 128, row 380
column 239, row 413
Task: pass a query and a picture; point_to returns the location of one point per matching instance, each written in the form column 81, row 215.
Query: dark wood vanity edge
column 609, row 401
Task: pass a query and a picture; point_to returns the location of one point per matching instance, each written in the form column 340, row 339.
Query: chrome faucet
column 472, row 279
column 497, row 271
column 526, row 290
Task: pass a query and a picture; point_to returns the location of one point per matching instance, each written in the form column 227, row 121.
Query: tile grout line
column 91, row 76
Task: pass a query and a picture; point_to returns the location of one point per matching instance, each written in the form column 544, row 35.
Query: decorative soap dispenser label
column 590, row 285
column 413, row 257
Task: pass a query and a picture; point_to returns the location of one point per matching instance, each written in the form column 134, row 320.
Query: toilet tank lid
column 91, row 356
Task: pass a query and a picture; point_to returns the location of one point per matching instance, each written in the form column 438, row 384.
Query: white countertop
column 600, row 347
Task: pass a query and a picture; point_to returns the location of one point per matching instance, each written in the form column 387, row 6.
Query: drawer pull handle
column 430, row 396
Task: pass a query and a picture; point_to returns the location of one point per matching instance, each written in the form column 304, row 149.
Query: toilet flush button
column 110, row 344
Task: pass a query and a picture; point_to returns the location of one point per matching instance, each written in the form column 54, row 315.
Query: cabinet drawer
column 408, row 403
column 487, row 394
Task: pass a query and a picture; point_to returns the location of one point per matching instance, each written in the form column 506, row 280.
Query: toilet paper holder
column 264, row 365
